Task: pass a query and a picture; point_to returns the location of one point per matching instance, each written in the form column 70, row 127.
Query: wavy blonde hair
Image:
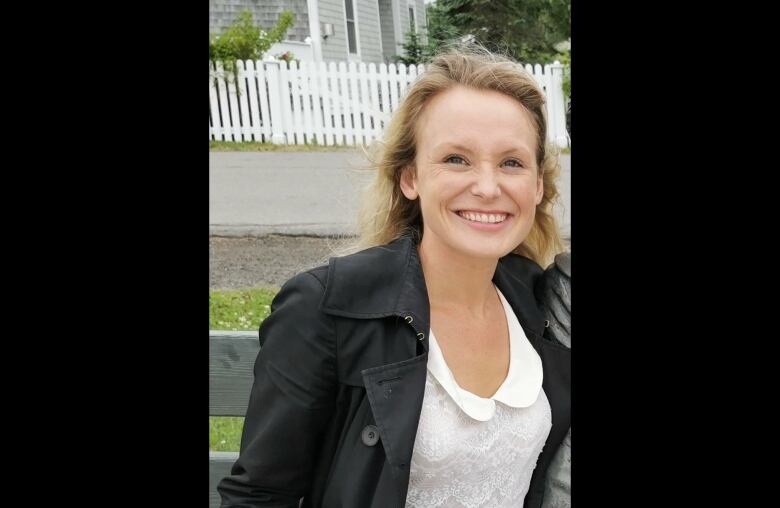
column 386, row 214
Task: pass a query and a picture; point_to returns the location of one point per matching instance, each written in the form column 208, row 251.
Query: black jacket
column 345, row 352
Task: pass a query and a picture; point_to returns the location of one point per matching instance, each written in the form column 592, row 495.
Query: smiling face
column 476, row 173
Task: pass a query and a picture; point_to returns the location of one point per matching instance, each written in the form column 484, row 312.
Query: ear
column 539, row 189
column 409, row 183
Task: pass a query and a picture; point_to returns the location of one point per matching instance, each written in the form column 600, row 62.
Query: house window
column 412, row 24
column 351, row 38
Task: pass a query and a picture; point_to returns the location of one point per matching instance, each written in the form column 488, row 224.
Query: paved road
column 301, row 193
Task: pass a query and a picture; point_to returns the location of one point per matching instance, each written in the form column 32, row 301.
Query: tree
column 414, row 51
column 441, row 28
column 525, row 29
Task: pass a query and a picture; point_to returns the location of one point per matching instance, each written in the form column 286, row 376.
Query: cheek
column 439, row 192
column 524, row 194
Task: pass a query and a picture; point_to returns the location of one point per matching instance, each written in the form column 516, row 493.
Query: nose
column 486, row 184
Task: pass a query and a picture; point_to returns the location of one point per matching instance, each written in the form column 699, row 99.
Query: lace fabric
column 479, row 452
column 462, row 462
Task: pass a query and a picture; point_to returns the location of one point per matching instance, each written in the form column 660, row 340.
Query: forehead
column 460, row 115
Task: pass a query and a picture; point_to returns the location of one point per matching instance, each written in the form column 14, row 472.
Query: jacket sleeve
column 554, row 296
column 557, row 484
column 555, row 301
column 292, row 398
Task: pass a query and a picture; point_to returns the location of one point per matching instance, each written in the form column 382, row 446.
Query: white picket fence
column 331, row 104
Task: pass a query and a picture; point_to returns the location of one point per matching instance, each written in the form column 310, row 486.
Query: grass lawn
column 235, row 310
column 231, row 146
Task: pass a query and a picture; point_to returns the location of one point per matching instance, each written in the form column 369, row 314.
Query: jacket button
column 370, row 435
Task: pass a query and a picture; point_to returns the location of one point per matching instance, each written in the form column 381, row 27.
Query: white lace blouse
column 476, row 452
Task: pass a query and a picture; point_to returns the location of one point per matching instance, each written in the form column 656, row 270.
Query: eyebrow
column 463, row 148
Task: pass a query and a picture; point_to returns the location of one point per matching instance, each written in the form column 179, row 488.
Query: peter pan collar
column 521, row 386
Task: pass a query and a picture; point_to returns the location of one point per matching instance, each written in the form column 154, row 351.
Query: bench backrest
column 232, row 358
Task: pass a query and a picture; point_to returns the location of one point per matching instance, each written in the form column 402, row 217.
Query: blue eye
column 516, row 163
column 455, row 159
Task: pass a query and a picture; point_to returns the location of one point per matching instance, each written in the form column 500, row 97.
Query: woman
column 415, row 372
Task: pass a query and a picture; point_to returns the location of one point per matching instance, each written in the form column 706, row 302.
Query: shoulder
column 371, row 266
column 356, row 284
column 295, row 311
column 368, row 283
column 304, row 287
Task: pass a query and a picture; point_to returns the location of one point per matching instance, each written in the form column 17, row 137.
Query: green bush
column 245, row 41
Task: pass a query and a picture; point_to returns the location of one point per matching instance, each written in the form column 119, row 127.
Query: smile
column 483, row 218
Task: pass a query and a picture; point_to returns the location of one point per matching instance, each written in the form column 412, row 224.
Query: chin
column 479, row 249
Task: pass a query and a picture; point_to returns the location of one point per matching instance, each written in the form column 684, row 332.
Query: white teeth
column 488, row 218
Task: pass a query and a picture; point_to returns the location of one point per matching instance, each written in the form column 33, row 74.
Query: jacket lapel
column 388, row 281
column 395, row 392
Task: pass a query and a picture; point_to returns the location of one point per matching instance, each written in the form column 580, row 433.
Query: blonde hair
column 386, row 214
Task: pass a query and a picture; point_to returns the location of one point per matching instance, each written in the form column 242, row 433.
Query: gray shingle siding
column 386, row 22
column 422, row 20
column 403, row 19
column 368, row 26
column 335, row 46
column 223, row 13
column 376, row 28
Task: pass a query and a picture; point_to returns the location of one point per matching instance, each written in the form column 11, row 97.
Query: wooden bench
column 231, row 373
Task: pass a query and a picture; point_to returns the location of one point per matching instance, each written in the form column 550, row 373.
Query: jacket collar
column 388, row 281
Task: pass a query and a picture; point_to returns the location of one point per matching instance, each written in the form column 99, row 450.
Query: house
column 332, row 30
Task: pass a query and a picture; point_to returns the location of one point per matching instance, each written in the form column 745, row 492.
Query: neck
column 454, row 281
